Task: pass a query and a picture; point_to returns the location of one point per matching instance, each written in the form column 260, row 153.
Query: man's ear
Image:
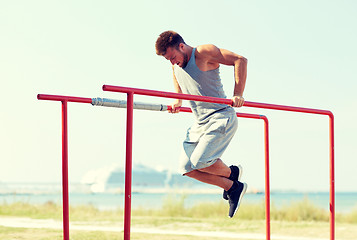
column 181, row 46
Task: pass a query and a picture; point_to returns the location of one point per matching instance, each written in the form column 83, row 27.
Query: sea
column 39, row 193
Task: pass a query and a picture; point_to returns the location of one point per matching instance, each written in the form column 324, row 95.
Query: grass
column 303, row 210
column 173, row 206
column 300, row 218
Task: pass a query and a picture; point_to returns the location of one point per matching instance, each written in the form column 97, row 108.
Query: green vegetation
column 303, row 210
column 300, row 218
column 174, row 206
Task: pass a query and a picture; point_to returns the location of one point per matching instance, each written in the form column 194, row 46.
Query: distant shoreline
column 56, row 187
column 155, row 198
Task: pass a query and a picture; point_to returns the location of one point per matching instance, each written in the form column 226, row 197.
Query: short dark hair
column 167, row 39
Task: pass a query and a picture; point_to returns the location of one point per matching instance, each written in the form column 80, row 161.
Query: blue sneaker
column 236, row 175
column 235, row 195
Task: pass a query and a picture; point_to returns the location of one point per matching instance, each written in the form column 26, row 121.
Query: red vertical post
column 267, row 178
column 267, row 171
column 128, row 165
column 65, row 172
column 332, row 177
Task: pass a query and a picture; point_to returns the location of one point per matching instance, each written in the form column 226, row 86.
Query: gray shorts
column 205, row 142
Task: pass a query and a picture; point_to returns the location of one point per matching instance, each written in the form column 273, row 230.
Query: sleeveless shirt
column 203, row 83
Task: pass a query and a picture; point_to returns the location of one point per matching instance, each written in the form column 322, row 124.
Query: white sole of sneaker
column 245, row 186
column 240, row 172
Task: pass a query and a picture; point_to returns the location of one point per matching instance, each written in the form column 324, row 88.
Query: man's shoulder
column 207, row 49
column 208, row 54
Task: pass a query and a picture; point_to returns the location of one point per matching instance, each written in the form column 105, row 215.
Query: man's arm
column 178, row 103
column 240, row 75
column 211, row 56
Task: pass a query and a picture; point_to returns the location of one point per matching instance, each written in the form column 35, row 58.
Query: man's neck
column 188, row 51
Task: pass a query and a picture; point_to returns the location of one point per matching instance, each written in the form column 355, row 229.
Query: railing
column 131, row 91
column 128, row 168
column 128, row 172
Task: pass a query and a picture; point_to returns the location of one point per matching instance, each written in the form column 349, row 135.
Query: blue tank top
column 203, row 83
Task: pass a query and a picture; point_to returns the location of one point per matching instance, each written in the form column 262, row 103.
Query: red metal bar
column 267, row 178
column 255, row 105
column 166, row 94
column 286, row 108
column 65, row 194
column 133, row 91
column 332, row 176
column 128, row 165
column 267, row 169
column 65, row 172
column 155, row 93
column 128, row 180
column 63, row 98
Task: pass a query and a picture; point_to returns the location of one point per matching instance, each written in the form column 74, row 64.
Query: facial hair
column 185, row 60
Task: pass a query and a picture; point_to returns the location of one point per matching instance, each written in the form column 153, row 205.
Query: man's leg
column 219, row 181
column 233, row 173
column 218, row 168
column 218, row 174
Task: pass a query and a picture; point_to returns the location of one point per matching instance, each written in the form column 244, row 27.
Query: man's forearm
column 240, row 75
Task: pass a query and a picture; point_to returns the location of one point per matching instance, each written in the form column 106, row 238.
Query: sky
column 300, row 53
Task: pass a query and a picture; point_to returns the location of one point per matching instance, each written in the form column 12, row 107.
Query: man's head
column 166, row 40
column 172, row 46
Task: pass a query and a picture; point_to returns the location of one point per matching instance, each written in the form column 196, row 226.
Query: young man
column 196, row 72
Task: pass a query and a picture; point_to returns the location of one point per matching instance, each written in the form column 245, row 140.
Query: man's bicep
column 214, row 54
column 227, row 57
column 217, row 55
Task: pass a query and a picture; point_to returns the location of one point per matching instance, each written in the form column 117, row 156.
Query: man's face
column 176, row 56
